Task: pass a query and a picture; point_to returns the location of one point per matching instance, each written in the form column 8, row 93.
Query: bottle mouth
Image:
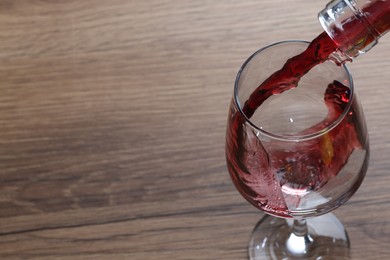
column 336, row 17
column 289, row 137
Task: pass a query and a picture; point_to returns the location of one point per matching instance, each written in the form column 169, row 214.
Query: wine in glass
column 299, row 153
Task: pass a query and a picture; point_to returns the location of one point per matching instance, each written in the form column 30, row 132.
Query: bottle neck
column 355, row 25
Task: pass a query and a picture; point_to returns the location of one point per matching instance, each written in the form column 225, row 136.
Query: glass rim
column 293, row 137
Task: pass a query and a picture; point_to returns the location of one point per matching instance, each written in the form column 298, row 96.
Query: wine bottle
column 355, row 25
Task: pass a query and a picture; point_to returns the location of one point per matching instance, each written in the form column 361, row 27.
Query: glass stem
column 299, row 227
column 300, row 241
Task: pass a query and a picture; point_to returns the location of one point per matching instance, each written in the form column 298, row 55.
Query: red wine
column 262, row 185
column 273, row 179
column 319, row 51
column 288, row 77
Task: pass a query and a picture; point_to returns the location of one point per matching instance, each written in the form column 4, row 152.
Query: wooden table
column 113, row 116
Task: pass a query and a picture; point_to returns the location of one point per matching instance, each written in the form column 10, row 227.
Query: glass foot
column 324, row 237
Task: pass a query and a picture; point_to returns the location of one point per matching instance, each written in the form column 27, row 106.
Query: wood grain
column 112, row 122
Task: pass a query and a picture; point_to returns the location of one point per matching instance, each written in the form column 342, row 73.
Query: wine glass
column 298, row 156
